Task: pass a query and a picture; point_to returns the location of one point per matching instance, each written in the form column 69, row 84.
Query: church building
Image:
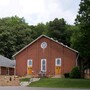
column 45, row 56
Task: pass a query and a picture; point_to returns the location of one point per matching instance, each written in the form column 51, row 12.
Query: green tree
column 69, row 32
column 59, row 30
column 81, row 40
column 14, row 35
column 39, row 29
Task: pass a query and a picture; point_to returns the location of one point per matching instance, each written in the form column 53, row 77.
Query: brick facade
column 50, row 53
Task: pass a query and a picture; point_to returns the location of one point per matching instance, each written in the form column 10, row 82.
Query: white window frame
column 56, row 61
column 45, row 65
column 43, row 45
column 30, row 60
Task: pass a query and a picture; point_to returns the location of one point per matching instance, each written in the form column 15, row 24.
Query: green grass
column 24, row 79
column 62, row 83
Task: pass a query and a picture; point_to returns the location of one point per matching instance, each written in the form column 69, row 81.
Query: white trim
column 43, row 45
column 45, row 65
column 28, row 63
column 48, row 38
column 56, row 62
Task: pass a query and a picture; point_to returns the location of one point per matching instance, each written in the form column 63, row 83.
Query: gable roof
column 48, row 38
column 5, row 62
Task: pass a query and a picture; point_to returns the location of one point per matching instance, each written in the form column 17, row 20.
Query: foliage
column 38, row 30
column 81, row 38
column 61, row 83
column 75, row 73
column 66, row 75
column 83, row 21
column 14, row 35
column 57, row 29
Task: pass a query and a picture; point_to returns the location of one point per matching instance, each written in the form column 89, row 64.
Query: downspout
column 77, row 59
column 62, row 65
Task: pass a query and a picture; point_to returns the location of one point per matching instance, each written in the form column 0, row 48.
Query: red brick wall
column 69, row 60
column 21, row 63
column 36, row 53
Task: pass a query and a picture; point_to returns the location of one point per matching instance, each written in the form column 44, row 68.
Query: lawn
column 62, row 83
column 25, row 80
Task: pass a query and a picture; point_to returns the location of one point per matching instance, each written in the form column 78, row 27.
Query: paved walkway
column 31, row 80
column 35, row 88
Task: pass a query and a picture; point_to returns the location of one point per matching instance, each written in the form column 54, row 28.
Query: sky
column 40, row 11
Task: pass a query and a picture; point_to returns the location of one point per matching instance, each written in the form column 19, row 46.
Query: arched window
column 30, row 62
column 43, row 65
column 58, row 61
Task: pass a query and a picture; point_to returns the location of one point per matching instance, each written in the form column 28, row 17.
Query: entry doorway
column 29, row 66
column 57, row 66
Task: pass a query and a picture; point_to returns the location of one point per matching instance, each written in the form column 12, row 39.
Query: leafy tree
column 69, row 32
column 59, row 30
column 14, row 35
column 81, row 39
column 56, row 29
column 38, row 30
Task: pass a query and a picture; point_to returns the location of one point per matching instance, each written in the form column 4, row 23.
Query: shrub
column 66, row 75
column 75, row 73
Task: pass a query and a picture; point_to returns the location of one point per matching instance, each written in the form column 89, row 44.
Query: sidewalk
column 31, row 80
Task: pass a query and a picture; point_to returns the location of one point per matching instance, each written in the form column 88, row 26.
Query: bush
column 75, row 73
column 66, row 75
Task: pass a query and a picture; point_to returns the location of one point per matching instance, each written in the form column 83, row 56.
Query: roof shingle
column 5, row 62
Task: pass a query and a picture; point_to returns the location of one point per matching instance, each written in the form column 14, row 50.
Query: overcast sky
column 37, row 11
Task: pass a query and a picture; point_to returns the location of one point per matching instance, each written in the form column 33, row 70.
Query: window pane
column 30, row 63
column 58, row 62
column 43, row 67
column 43, row 62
